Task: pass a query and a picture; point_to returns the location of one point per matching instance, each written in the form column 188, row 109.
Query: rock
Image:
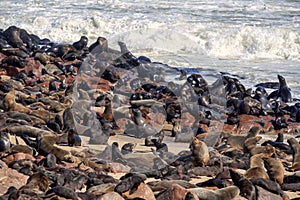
column 118, row 168
column 17, row 156
column 111, row 196
column 10, row 177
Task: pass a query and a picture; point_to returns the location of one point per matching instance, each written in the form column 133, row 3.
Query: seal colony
column 244, row 141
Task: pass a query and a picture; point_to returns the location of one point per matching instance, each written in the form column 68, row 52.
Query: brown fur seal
column 164, row 184
column 10, row 103
column 296, row 153
column 225, row 193
column 36, row 184
column 268, row 149
column 199, row 152
column 22, row 148
column 238, row 141
column 250, row 143
column 275, row 169
column 46, row 146
column 256, row 172
column 257, row 168
column 246, row 187
column 39, row 181
column 108, row 111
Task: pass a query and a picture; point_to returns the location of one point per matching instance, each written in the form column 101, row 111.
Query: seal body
column 200, row 152
column 73, row 138
column 4, row 142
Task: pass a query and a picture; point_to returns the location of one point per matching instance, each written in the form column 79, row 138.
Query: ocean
column 253, row 39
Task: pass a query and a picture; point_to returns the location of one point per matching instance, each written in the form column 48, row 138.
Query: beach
column 150, row 100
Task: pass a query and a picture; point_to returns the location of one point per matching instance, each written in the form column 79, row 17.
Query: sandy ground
column 174, row 147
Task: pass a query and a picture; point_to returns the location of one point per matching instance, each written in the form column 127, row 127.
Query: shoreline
column 56, row 96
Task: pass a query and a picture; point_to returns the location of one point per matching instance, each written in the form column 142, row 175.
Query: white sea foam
column 256, row 39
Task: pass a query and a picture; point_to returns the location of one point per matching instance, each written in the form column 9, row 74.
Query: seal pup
column 4, row 142
column 158, row 137
column 127, row 148
column 296, row 153
column 246, row 187
column 73, row 138
column 262, row 96
column 279, row 137
column 279, row 145
column 199, row 152
column 129, row 181
column 82, row 43
column 116, row 154
column 298, row 116
column 229, row 192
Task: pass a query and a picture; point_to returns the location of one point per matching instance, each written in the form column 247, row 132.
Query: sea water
column 253, row 39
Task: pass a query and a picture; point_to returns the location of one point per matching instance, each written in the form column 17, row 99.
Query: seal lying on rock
column 229, row 192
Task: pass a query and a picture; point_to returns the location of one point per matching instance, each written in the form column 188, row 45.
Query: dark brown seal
column 246, row 187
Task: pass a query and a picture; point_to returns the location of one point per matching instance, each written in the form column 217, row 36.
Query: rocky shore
column 81, row 121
